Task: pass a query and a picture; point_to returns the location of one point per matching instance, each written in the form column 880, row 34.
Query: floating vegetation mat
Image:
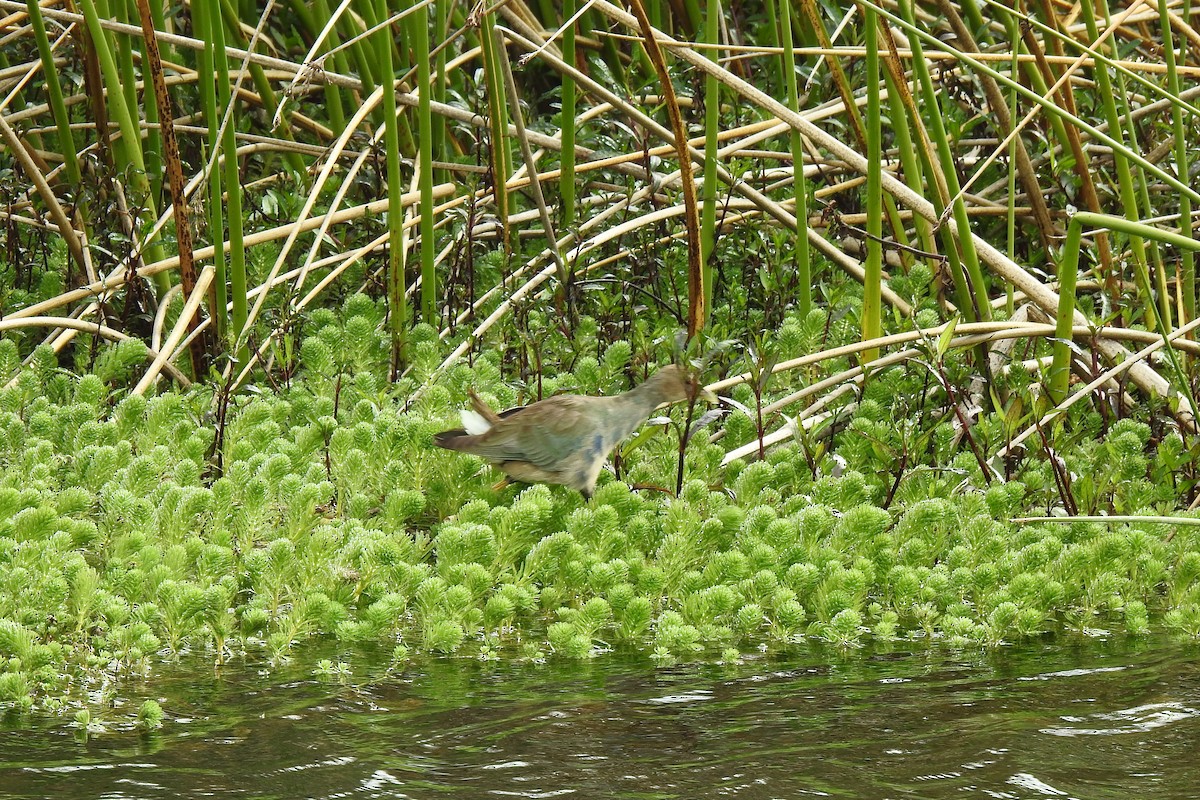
column 133, row 529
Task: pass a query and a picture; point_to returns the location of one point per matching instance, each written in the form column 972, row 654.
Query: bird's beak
column 708, row 395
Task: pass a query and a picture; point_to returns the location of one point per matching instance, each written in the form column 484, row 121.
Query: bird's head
column 676, row 383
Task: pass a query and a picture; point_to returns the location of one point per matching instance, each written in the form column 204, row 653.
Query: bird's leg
column 501, row 484
column 652, row 488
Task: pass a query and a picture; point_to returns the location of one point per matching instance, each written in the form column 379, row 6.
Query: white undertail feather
column 474, row 423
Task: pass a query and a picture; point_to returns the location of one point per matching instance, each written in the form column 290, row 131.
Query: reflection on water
column 1086, row 719
column 1126, row 720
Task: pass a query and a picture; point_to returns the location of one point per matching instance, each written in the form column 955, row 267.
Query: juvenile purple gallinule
column 565, row 439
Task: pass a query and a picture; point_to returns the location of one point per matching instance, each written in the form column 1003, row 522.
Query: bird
column 567, row 438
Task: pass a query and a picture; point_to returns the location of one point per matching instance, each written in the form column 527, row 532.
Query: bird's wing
column 544, row 434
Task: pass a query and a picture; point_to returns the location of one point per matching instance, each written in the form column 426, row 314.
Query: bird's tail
column 452, row 440
column 475, row 422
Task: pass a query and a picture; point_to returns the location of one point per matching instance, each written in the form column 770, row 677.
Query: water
column 1083, row 719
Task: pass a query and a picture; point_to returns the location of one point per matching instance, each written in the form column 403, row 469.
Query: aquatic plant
column 133, row 534
column 150, row 716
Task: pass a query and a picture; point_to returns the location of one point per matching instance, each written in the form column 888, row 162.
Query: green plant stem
column 440, row 32
column 1014, row 35
column 1068, row 269
column 266, row 92
column 712, row 126
column 1034, row 195
column 238, row 284
column 1129, row 200
column 970, row 289
column 1118, row 67
column 535, row 183
column 697, row 311
column 566, row 179
column 1048, row 106
column 397, row 302
column 501, row 155
column 429, row 284
column 333, row 95
column 802, row 253
column 154, row 146
column 370, row 69
column 772, row 36
column 130, row 144
column 121, row 10
column 58, row 108
column 216, row 212
column 1187, row 262
column 810, row 10
column 312, row 20
column 900, row 101
column 873, row 280
column 1130, row 228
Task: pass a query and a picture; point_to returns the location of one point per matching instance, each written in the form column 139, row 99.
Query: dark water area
column 1088, row 719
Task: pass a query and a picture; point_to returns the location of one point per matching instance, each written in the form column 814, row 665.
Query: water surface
column 1087, row 719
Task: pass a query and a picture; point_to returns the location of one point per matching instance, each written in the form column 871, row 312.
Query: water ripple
column 1131, row 720
column 1028, row 722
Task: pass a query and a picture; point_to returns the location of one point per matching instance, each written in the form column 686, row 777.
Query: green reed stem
column 440, row 33
column 899, row 103
column 712, row 127
column 312, row 17
column 333, row 94
column 771, row 35
column 694, row 15
column 266, row 92
column 121, row 11
column 58, row 108
column 970, row 289
column 501, row 155
column 1187, row 262
column 1130, row 228
column 238, row 284
column 153, row 148
column 420, row 33
column 1104, row 90
column 370, row 68
column 522, row 137
column 566, row 178
column 873, row 265
column 1170, row 238
column 1064, row 326
column 397, row 303
column 1014, row 35
column 813, row 13
column 613, row 57
column 129, row 147
column 914, row 32
column 1153, row 89
column 1037, row 82
column 216, row 211
column 802, row 255
column 1155, row 266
